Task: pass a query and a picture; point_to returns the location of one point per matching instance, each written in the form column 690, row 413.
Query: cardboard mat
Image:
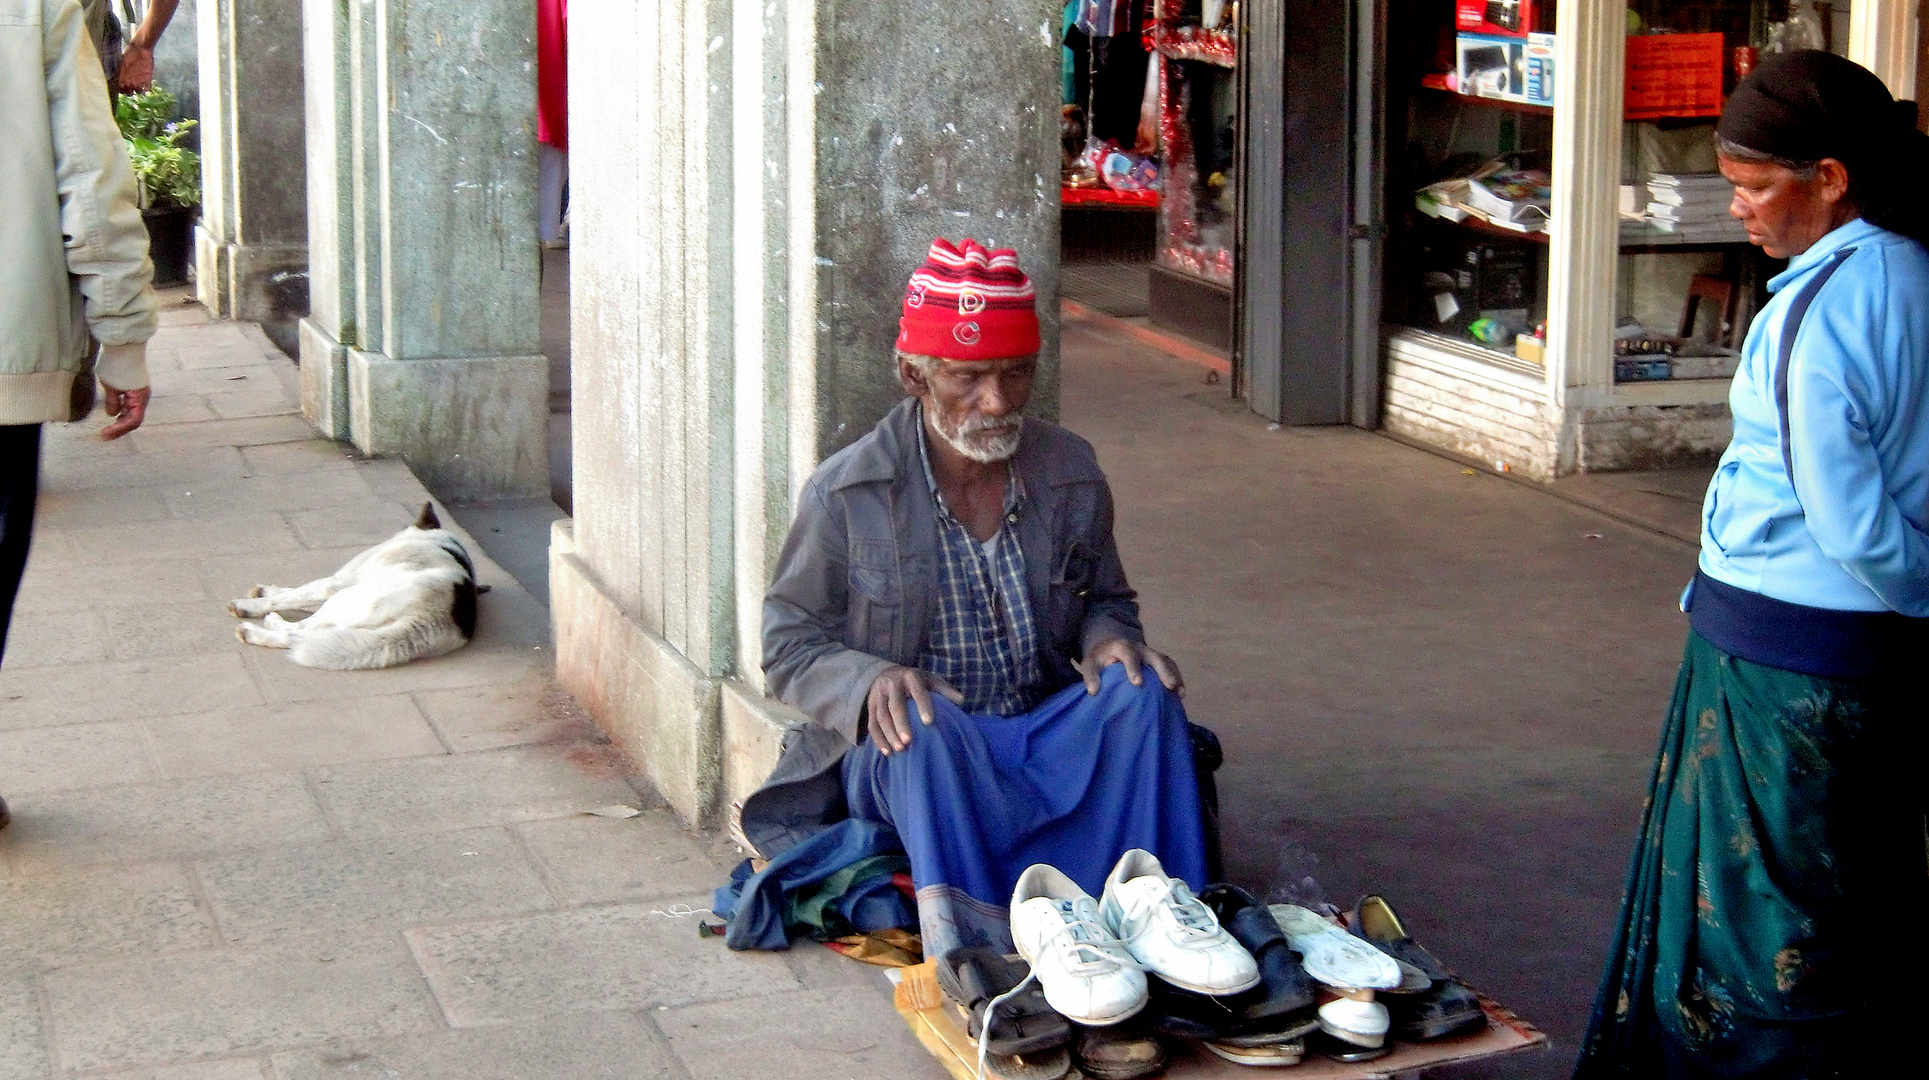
column 938, row 1026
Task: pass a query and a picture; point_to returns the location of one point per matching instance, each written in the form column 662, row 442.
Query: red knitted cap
column 969, row 303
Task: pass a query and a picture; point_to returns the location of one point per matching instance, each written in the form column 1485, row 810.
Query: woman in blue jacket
column 1770, row 925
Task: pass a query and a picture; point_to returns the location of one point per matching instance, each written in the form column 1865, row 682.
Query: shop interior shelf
column 1439, row 83
column 1646, row 241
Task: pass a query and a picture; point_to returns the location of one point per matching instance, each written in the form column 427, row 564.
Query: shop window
column 1470, row 137
column 1688, row 281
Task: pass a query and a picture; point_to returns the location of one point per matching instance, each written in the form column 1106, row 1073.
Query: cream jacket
column 73, row 249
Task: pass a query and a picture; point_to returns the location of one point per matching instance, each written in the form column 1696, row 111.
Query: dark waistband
column 1823, row 642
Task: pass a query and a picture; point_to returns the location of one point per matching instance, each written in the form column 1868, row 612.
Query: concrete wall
column 747, row 202
column 1498, row 415
column 425, row 336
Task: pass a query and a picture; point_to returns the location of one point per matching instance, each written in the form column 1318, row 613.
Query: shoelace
column 1086, row 936
column 1196, row 920
column 984, row 1026
column 1087, row 939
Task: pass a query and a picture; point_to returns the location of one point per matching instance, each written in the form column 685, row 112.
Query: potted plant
column 168, row 176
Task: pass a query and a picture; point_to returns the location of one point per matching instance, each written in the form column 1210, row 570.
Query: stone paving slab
column 802, row 1033
column 608, row 1046
column 626, row 957
column 223, row 1002
column 23, row 1049
column 286, row 737
column 497, row 787
column 393, row 881
column 170, row 819
column 64, row 917
column 74, row 756
column 596, row 860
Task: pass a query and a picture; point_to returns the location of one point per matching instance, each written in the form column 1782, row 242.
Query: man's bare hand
column 130, row 406
column 894, row 693
column 1135, row 657
column 137, row 69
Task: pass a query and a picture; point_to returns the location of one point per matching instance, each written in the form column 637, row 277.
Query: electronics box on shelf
column 1511, row 18
column 1506, row 68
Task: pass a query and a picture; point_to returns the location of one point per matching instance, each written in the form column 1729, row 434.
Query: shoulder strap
column 1790, row 325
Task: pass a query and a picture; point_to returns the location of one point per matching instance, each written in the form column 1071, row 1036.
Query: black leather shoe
column 1127, row 1051
column 1445, row 1008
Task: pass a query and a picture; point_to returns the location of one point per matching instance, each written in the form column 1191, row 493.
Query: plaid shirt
column 985, row 642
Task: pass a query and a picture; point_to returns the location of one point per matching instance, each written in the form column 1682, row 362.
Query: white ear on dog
column 410, row 596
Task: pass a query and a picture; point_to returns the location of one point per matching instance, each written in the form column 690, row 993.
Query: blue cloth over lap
column 1076, row 782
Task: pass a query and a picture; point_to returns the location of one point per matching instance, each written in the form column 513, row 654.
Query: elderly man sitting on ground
column 950, row 610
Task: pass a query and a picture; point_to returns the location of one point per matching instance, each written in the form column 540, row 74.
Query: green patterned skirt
column 1775, row 912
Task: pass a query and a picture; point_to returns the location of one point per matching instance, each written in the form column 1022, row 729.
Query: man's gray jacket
column 856, row 591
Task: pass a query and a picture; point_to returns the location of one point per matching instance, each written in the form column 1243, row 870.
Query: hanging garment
column 552, row 73
column 1103, row 18
column 1076, row 782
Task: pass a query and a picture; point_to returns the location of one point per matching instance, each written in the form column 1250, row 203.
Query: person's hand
column 137, row 69
column 129, row 406
column 1135, row 657
column 893, row 693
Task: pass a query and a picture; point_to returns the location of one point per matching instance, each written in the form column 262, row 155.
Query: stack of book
column 1694, row 206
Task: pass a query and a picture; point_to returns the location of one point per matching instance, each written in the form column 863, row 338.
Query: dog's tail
column 428, row 520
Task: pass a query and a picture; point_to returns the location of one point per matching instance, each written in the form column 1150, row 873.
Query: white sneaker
column 1333, row 956
column 1087, row 975
column 1169, row 932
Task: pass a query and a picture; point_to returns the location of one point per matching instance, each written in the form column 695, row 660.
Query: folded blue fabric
column 753, row 904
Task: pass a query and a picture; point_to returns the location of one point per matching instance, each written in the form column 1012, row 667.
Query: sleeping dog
column 410, row 596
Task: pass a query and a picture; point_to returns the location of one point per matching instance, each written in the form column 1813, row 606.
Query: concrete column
column 251, row 248
column 424, row 341
column 752, row 183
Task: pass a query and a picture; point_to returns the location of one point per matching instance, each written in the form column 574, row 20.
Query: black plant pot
column 170, row 243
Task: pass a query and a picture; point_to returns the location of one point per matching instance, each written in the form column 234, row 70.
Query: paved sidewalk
column 226, row 867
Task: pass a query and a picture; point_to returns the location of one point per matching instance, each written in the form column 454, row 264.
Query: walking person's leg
column 19, row 477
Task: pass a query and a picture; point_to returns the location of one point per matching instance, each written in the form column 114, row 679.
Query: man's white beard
column 973, row 441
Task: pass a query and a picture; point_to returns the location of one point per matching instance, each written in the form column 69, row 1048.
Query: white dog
column 410, row 596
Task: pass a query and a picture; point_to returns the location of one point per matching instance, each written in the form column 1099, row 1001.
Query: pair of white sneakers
column 1091, row 957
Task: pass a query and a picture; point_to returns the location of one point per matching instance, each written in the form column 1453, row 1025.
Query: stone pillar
column 424, row 339
column 251, row 247
column 752, row 183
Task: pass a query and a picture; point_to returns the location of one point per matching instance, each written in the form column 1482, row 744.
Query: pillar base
column 659, row 710
column 470, row 428
column 264, row 283
column 324, row 380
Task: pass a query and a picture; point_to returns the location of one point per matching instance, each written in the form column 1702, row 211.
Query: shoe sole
column 1240, row 1055
column 1355, row 1038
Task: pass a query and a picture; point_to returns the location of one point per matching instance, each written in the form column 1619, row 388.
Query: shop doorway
column 1258, row 126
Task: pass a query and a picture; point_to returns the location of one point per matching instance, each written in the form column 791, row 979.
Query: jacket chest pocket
column 876, row 597
column 1071, row 585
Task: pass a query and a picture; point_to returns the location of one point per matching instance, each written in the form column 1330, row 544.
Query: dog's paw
column 257, row 592
column 241, row 634
column 235, row 609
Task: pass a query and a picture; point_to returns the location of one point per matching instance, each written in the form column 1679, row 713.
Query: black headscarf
column 1808, row 105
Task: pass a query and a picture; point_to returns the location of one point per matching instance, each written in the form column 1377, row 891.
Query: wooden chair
column 1720, row 290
